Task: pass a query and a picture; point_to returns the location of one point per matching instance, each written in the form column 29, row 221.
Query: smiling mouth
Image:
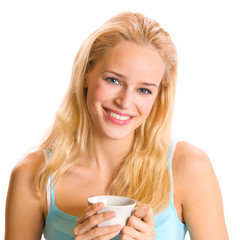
column 117, row 116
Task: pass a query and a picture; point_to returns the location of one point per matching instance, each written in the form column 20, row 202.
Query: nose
column 124, row 99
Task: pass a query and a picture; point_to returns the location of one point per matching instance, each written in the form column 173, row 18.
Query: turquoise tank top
column 59, row 225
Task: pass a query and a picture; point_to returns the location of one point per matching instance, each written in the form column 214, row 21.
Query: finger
column 125, row 237
column 100, row 233
column 145, row 213
column 93, row 221
column 90, row 211
column 129, row 233
column 108, row 236
column 137, row 224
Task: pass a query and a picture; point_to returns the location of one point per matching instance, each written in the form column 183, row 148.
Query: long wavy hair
column 144, row 173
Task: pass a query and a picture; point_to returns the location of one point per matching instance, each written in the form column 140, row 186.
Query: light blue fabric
column 167, row 224
column 59, row 225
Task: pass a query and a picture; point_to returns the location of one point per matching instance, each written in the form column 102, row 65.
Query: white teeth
column 119, row 117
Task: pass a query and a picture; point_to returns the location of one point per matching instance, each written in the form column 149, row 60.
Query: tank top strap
column 170, row 157
column 52, row 192
column 50, row 185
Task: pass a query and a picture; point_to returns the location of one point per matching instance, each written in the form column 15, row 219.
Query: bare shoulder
column 24, row 173
column 192, row 170
column 190, row 160
column 198, row 192
column 23, row 178
column 28, row 166
column 24, row 203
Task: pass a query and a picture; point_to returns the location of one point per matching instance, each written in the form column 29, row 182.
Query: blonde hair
column 144, row 173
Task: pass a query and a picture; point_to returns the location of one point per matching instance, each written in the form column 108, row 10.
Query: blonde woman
column 112, row 135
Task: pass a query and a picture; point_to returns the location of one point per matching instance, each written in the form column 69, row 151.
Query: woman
column 112, row 135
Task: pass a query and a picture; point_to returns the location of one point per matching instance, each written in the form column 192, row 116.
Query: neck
column 108, row 152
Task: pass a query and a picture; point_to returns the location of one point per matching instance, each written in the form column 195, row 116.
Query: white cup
column 123, row 207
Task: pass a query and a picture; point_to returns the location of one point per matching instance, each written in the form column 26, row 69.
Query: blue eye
column 144, row 91
column 112, row 80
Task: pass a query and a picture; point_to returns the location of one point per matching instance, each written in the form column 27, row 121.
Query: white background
column 38, row 43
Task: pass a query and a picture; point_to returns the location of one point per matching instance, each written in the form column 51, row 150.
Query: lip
column 117, row 112
column 117, row 121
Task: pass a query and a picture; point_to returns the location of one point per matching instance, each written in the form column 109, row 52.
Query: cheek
column 97, row 92
column 145, row 107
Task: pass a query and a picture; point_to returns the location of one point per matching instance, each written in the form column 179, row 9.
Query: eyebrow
column 124, row 77
column 115, row 73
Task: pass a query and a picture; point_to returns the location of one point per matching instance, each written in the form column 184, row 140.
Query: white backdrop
column 39, row 40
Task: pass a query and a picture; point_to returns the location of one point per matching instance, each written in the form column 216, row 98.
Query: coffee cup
column 123, row 207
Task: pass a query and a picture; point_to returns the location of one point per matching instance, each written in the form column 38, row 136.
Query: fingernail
column 75, row 232
column 100, row 204
column 116, row 233
column 118, row 227
column 112, row 214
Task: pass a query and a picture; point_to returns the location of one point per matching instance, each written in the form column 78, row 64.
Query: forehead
column 133, row 60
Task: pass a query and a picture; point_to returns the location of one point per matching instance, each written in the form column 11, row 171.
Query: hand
column 87, row 224
column 140, row 225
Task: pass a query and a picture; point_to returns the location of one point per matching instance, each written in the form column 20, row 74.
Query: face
column 121, row 89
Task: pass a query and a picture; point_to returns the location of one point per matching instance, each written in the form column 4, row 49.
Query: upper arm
column 201, row 196
column 24, row 209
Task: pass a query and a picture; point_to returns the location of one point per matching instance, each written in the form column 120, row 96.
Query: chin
column 118, row 135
